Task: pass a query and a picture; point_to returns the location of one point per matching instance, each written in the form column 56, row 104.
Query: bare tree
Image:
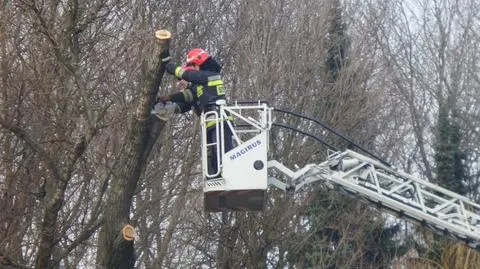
column 53, row 111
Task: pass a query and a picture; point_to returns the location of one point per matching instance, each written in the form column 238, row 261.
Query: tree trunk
column 114, row 250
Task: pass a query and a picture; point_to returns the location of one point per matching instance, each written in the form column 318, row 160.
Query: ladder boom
column 421, row 201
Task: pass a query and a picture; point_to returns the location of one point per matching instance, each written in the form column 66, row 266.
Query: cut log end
column 163, row 34
column 128, row 232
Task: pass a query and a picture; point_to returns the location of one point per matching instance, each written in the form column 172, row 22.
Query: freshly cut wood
column 163, row 34
column 128, row 232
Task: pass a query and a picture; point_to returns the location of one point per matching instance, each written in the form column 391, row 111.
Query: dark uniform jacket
column 205, row 89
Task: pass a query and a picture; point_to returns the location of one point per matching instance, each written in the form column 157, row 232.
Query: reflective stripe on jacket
column 207, row 87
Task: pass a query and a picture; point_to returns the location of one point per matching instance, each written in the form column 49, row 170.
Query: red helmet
column 197, row 56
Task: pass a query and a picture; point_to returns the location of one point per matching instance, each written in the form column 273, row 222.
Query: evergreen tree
column 337, row 43
column 368, row 244
column 325, row 246
column 450, row 159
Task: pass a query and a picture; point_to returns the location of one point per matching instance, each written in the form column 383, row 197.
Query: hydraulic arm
column 418, row 200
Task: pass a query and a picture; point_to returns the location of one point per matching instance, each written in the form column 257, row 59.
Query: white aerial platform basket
column 241, row 182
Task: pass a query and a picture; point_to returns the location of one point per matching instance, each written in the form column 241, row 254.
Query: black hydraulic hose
column 307, row 134
column 251, row 102
column 334, row 132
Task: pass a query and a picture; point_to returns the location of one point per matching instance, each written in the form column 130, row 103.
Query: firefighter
column 205, row 88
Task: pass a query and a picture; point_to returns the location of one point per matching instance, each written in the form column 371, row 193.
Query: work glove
column 170, row 67
column 165, row 56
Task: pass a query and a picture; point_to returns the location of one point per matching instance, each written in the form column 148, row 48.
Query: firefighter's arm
column 196, row 77
column 186, row 96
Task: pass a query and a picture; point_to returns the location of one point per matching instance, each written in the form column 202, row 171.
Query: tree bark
column 115, row 251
